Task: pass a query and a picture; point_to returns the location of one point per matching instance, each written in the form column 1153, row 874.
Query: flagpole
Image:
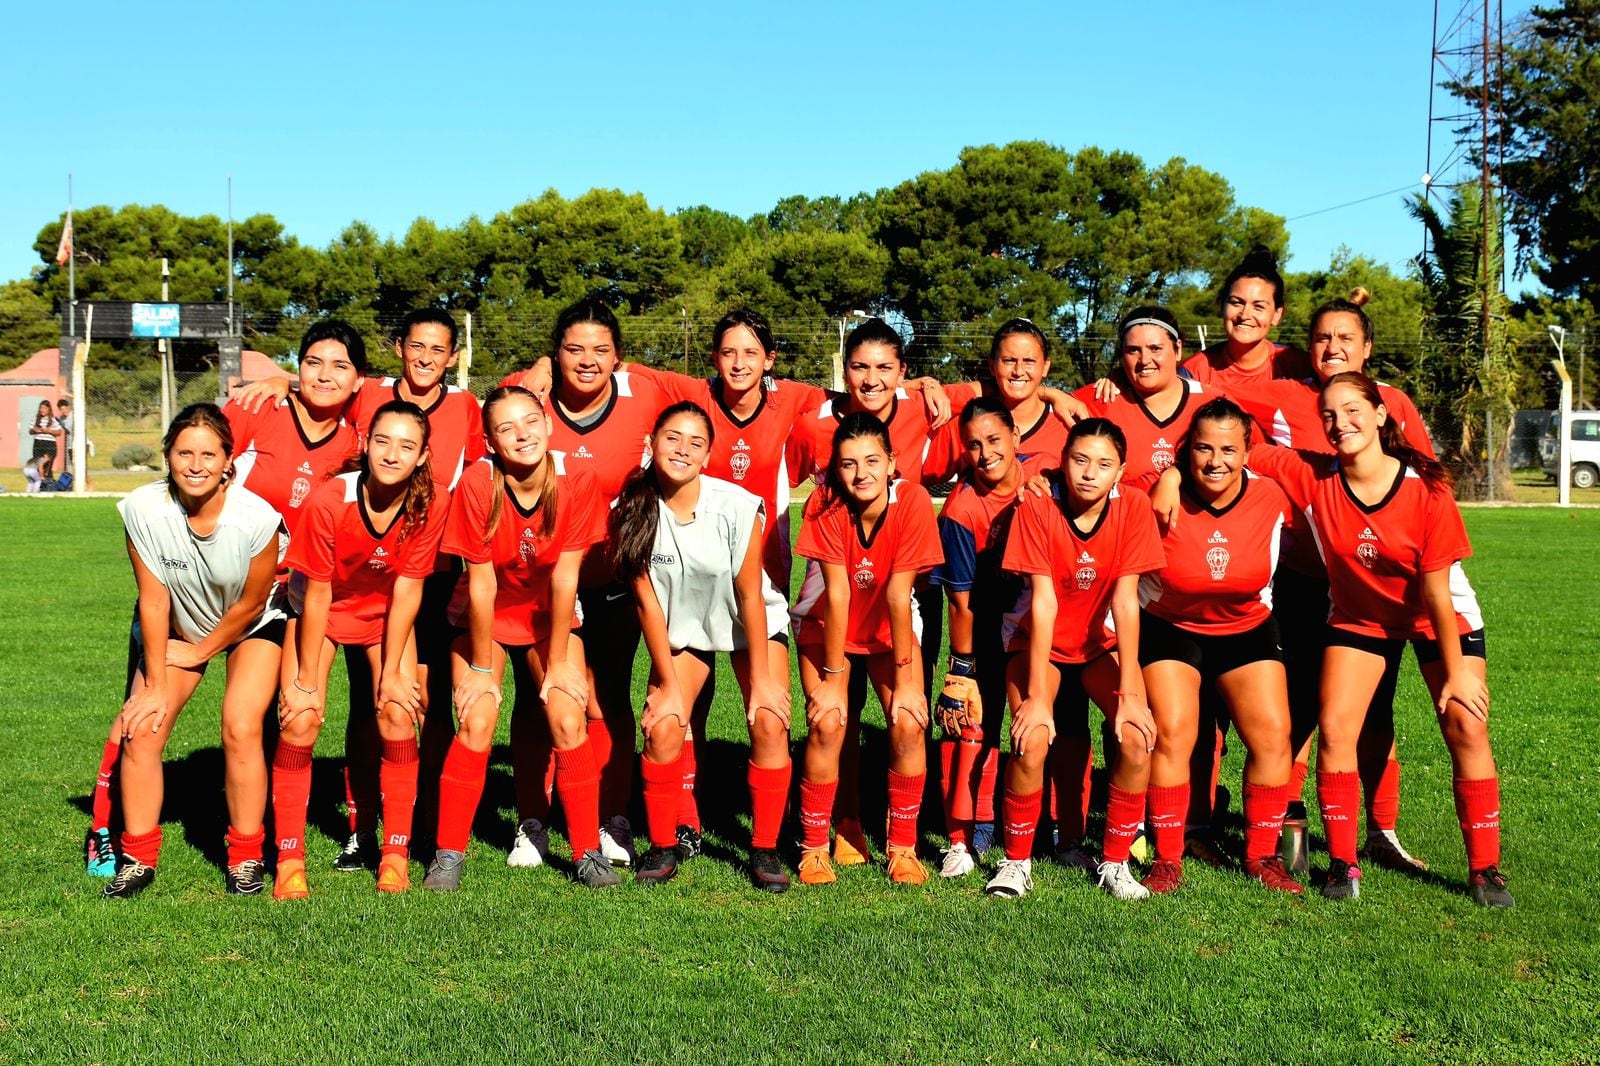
column 72, row 270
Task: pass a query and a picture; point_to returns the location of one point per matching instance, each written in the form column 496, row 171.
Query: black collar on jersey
column 894, row 408
column 366, row 516
column 598, row 420
column 1163, row 423
column 295, row 409
column 1060, row 491
column 717, row 387
column 444, row 390
column 1037, row 426
column 864, row 538
column 526, row 512
column 1217, row 512
column 1399, row 479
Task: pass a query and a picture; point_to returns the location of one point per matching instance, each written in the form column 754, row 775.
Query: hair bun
column 1258, row 257
column 1359, row 296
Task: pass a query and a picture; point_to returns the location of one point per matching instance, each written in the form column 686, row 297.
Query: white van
column 1584, row 449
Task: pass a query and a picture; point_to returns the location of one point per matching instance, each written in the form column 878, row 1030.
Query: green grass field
column 523, row 964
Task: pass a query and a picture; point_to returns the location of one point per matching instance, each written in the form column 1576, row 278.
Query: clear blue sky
column 329, row 112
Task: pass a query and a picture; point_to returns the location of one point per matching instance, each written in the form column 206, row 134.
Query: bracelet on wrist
column 475, row 668
column 302, row 688
column 833, row 669
column 903, row 662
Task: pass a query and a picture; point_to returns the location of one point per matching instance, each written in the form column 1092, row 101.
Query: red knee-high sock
column 1339, row 796
column 1020, row 817
column 460, row 789
column 1168, row 805
column 816, row 810
column 291, row 790
column 769, row 789
column 1383, row 805
column 905, row 803
column 145, row 848
column 578, row 782
column 1478, row 810
column 101, row 813
column 397, row 781
column 1297, row 781
column 245, row 847
column 688, row 809
column 1124, row 812
column 663, row 794
column 1071, row 763
column 532, row 767
column 988, row 783
column 1263, row 819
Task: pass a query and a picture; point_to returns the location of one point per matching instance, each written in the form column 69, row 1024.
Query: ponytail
column 1391, row 437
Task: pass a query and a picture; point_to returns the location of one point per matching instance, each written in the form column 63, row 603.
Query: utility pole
column 685, row 312
column 1483, row 257
column 166, row 356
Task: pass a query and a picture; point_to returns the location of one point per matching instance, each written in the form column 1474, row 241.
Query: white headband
column 1126, row 326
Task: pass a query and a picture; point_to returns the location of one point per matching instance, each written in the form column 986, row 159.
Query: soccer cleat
column 1488, row 887
column 290, row 881
column 1383, row 848
column 982, row 837
column 100, row 856
column 1270, row 872
column 850, row 849
column 1140, row 850
column 1344, row 881
column 594, row 871
column 904, row 867
column 246, row 878
column 132, row 879
column 531, row 847
column 656, row 866
column 690, row 843
column 1078, row 857
column 444, row 872
column 1013, row 879
column 957, row 861
column 1293, row 847
column 815, row 867
column 767, row 872
column 1202, row 847
column 616, row 841
column 1117, row 878
column 394, row 873
column 1165, row 876
column 359, row 853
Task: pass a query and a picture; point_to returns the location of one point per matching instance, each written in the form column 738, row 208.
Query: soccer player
column 204, row 552
column 360, row 556
column 691, row 548
column 1251, row 303
column 1081, row 551
column 868, row 534
column 1207, row 620
column 1392, row 538
column 973, row 529
column 522, row 521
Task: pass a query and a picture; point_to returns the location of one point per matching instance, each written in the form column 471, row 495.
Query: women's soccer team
column 1245, row 539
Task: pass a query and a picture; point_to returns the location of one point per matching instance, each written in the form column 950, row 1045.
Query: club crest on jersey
column 379, row 559
column 1161, row 455
column 1217, row 560
column 863, row 576
column 529, row 546
column 299, row 490
column 1085, row 573
column 739, row 463
column 1367, row 550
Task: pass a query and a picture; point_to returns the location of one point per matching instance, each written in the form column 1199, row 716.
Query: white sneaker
column 1117, row 879
column 1383, row 848
column 1078, row 857
column 525, row 851
column 957, row 862
column 616, row 841
column 1012, row 880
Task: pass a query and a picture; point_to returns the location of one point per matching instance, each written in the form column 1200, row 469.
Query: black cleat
column 247, row 878
column 767, row 871
column 690, row 843
column 132, row 879
column 360, row 853
column 1344, row 881
column 656, row 866
column 1488, row 887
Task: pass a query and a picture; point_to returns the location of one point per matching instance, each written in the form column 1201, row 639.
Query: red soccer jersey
column 973, row 530
column 1084, row 566
column 1211, row 367
column 455, row 426
column 752, row 452
column 522, row 553
column 1376, row 555
column 1045, row 439
column 906, row 539
column 811, row 446
column 1152, row 442
column 1218, row 576
column 336, row 542
column 275, row 459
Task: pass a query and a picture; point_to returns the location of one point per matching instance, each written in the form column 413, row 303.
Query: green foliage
column 135, row 454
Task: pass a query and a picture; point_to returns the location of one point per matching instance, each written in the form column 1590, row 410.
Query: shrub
column 135, row 454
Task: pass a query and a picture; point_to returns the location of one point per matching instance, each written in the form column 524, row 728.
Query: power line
column 1352, row 203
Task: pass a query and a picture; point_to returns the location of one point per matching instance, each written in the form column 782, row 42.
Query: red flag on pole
column 64, row 249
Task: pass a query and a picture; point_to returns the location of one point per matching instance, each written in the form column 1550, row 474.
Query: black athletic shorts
column 1212, row 655
column 1473, row 645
